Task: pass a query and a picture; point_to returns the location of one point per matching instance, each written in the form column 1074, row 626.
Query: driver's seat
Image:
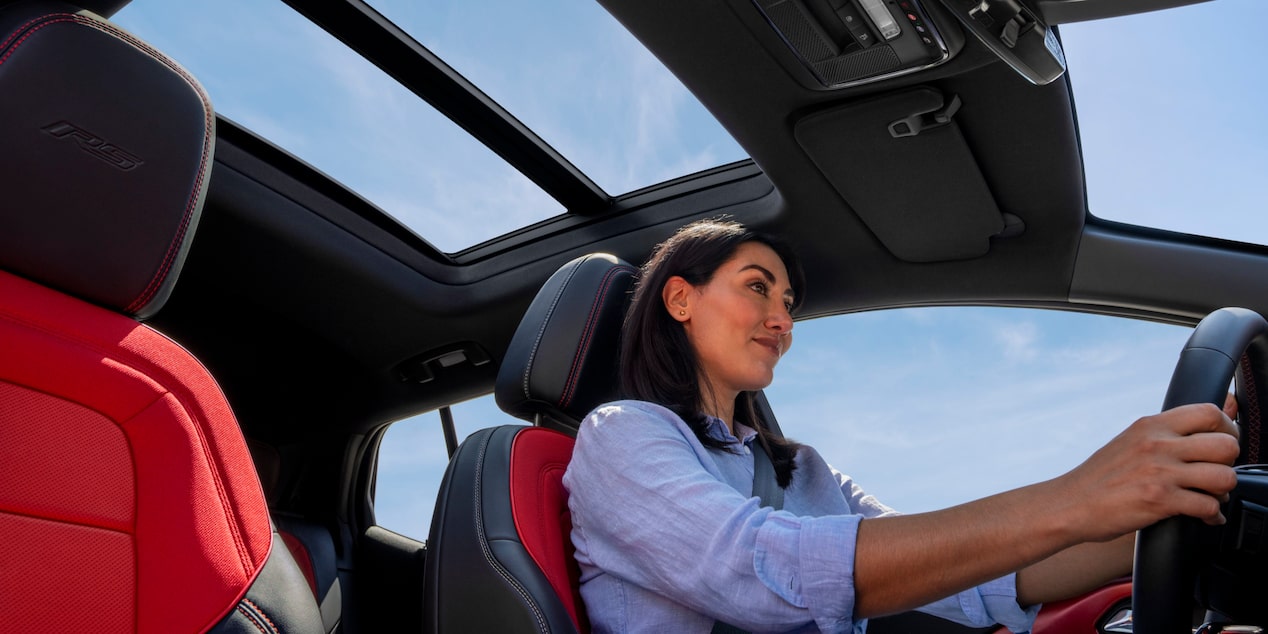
column 500, row 552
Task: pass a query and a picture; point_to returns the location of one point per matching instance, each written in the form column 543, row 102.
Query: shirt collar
column 716, row 429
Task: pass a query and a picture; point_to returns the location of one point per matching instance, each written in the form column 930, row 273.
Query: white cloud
column 1018, row 340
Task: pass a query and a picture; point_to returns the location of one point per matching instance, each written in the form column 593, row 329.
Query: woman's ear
column 675, row 294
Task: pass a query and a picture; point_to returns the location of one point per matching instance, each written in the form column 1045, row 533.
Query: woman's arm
column 1076, row 570
column 1174, row 463
column 1085, row 567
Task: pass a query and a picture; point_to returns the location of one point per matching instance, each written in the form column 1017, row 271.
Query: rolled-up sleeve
column 994, row 602
column 990, row 603
column 665, row 538
column 809, row 562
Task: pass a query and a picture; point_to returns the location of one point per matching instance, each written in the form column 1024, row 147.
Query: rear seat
column 310, row 543
column 314, row 550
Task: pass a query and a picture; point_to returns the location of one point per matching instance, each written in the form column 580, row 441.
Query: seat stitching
column 588, row 333
column 261, row 614
column 528, row 367
column 482, row 537
column 133, row 360
column 9, row 40
column 251, row 619
column 208, row 122
column 55, row 19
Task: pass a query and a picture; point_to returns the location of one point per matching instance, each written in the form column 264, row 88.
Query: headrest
column 107, row 145
column 562, row 360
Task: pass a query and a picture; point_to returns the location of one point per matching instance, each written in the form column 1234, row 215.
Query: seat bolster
column 278, row 602
column 180, row 442
column 484, row 579
column 539, row 504
column 313, row 548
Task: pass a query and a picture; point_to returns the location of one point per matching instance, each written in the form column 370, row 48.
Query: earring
column 682, row 312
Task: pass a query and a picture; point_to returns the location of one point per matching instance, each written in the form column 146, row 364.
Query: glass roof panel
column 1171, row 117
column 577, row 78
column 273, row 71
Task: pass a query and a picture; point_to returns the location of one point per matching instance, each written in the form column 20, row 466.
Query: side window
column 931, row 407
column 925, row 407
column 412, row 460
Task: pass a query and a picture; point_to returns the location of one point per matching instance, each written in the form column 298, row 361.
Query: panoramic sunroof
column 577, row 78
column 1171, row 117
column 572, row 74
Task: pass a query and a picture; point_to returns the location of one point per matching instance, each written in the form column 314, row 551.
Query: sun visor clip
column 921, row 121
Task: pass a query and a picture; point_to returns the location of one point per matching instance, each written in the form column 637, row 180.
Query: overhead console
column 846, row 43
column 850, row 42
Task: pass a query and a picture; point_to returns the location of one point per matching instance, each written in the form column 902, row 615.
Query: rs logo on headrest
column 94, row 145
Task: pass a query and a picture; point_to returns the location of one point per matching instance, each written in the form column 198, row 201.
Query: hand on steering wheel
column 1167, row 553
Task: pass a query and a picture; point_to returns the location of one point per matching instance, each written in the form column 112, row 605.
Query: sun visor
column 902, row 165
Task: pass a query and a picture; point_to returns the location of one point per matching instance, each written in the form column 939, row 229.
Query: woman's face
column 738, row 323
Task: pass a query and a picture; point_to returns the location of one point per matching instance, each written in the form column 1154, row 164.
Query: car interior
column 158, row 257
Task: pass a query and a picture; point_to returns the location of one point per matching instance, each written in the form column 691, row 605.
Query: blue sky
column 924, row 407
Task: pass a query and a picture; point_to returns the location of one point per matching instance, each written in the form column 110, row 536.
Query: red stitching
column 174, row 248
column 251, row 619
column 14, row 34
column 28, row 34
column 243, row 555
column 208, row 123
column 262, row 614
column 152, row 288
column 1251, row 422
column 588, row 333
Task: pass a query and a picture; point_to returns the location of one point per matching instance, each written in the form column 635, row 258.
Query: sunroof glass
column 577, row 78
column 273, row 71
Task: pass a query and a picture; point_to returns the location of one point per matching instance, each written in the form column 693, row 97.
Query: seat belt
column 768, row 491
column 765, row 486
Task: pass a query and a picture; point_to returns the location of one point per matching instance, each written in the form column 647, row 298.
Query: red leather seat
column 128, row 501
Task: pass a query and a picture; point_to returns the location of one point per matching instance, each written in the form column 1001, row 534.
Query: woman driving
column 669, row 535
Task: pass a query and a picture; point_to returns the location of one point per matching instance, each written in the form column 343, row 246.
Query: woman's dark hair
column 658, row 363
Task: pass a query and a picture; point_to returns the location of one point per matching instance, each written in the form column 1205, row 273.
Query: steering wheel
column 1229, row 342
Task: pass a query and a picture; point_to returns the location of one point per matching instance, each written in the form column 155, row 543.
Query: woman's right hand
column 1173, row 463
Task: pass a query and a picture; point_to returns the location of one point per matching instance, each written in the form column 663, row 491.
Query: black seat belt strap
column 765, row 487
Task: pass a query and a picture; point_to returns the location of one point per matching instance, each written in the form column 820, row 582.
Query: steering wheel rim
column 1167, row 559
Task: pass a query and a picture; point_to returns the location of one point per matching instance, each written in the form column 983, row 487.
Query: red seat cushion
column 128, row 499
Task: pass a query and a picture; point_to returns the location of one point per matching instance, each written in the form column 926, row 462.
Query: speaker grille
column 800, row 31
column 866, row 63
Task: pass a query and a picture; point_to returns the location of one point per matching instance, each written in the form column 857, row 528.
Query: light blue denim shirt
column 669, row 538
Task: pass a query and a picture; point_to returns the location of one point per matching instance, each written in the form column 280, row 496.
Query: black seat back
column 500, row 551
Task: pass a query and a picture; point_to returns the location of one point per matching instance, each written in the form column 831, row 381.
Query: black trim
column 252, row 155
column 278, row 601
